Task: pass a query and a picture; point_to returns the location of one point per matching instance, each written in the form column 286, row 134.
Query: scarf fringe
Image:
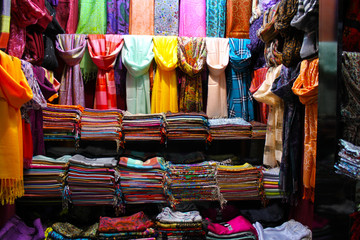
column 10, row 189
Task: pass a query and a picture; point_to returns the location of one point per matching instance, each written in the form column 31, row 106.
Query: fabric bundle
column 349, row 159
column 65, row 230
column 192, row 21
column 271, row 183
column 238, row 18
column 229, row 128
column 166, row 22
column 141, row 17
column 141, row 182
column 215, row 18
column 118, row 17
column 258, row 130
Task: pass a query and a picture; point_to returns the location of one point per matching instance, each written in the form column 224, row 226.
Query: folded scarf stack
column 258, row 130
column 271, row 183
column 229, row 128
column 65, row 230
column 142, row 182
column 179, row 225
column 349, row 162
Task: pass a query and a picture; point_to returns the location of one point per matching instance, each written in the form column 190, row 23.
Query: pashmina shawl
column 118, row 16
column 92, row 17
column 137, row 55
column 192, row 18
column 215, row 18
column 306, row 87
column 67, row 14
column 258, row 78
column 238, row 18
column 71, row 48
column 166, row 21
column 191, row 57
column 141, row 20
column 103, row 50
column 217, row 60
column 164, row 96
column 5, row 23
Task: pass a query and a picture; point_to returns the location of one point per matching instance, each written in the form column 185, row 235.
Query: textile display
column 137, row 55
column 103, row 50
column 348, row 163
column 67, row 230
column 271, row 183
column 217, row 61
column 71, row 48
column 259, row 76
column 290, row 229
column 138, row 235
column 229, row 128
column 167, row 215
column 166, row 22
column 92, row 17
column 118, row 16
column 164, row 96
column 5, row 24
column 67, row 14
column 238, row 18
column 215, row 18
column 258, row 130
column 235, row 225
column 191, row 57
column 141, row 16
column 192, row 20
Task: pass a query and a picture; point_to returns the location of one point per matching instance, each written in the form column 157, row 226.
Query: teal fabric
column 215, row 18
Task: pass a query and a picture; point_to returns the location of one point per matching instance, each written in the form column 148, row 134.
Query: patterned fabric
column 71, row 48
column 267, row 32
column 92, row 17
column 238, row 18
column 134, row 223
column 70, row 231
column 192, row 18
column 215, row 18
column 5, row 23
column 191, row 56
column 103, row 50
column 118, row 16
column 256, row 46
column 67, row 14
column 240, row 102
column 351, row 33
column 166, row 17
column 306, row 87
column 258, row 78
column 141, row 17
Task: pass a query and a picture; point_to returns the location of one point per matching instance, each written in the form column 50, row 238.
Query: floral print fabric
column 166, row 17
column 215, row 18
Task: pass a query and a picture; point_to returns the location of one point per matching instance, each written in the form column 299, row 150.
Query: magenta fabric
column 192, row 22
column 236, row 225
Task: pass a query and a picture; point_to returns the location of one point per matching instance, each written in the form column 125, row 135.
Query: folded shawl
column 215, row 18
column 166, row 21
column 141, row 20
column 192, row 18
column 238, row 18
column 5, row 23
column 118, row 16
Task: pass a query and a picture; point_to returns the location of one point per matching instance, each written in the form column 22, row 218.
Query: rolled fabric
column 118, row 16
column 192, row 18
column 215, row 18
column 238, row 18
column 166, row 21
column 141, row 20
column 217, row 60
column 67, row 14
column 92, row 17
column 164, row 96
column 5, row 23
column 71, row 48
column 103, row 50
column 137, row 55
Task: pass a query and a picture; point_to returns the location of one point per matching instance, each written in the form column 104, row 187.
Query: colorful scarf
column 191, row 57
column 92, row 17
column 137, row 55
column 306, row 87
column 141, row 20
column 71, row 48
column 238, row 18
column 192, row 18
column 67, row 15
column 118, row 16
column 215, row 18
column 164, row 96
column 217, row 60
column 103, row 50
column 137, row 222
column 258, row 78
column 5, row 23
column 166, row 17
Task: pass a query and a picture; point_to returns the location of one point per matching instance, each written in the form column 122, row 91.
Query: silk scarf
column 238, row 18
column 191, row 57
column 215, row 18
column 141, row 20
column 306, row 87
column 5, row 23
column 137, row 55
column 92, row 17
column 166, row 21
column 118, row 16
column 217, row 60
column 103, row 50
column 67, row 14
column 259, row 76
column 164, row 95
column 192, row 18
column 71, row 48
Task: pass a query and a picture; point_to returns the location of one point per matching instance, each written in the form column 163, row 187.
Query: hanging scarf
column 217, row 60
column 67, row 14
column 192, row 18
column 238, row 18
column 118, row 16
column 5, row 23
column 306, row 87
column 256, row 46
column 92, row 17
column 103, row 50
column 166, row 17
column 71, row 48
column 273, row 140
column 240, row 102
column 258, row 78
column 164, row 95
column 191, row 57
column 215, row 18
column 141, row 20
column 137, row 56
column 120, row 83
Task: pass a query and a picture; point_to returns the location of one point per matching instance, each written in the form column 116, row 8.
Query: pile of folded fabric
column 349, row 160
column 65, row 230
column 179, row 225
column 271, row 183
column 142, row 182
column 136, row 226
column 147, row 127
column 258, row 130
column 229, row 128
column 288, row 230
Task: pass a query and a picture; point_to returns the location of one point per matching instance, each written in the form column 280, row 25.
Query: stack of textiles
column 142, row 182
column 191, row 182
column 229, row 128
column 187, row 126
column 91, row 181
column 179, row 225
column 148, row 127
column 258, row 130
column 61, row 122
column 349, row 162
column 240, row 182
column 271, row 183
column 137, row 226
column 65, row 230
column 44, row 178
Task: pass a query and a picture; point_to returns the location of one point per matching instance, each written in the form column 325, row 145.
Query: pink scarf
column 192, row 18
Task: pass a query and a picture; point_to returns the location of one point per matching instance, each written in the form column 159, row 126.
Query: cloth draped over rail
column 215, row 18
column 141, row 20
column 166, row 21
column 192, row 18
column 238, row 14
column 118, row 16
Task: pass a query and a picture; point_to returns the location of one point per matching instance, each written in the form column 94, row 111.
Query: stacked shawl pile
column 229, row 128
column 271, row 183
column 258, row 130
column 349, row 160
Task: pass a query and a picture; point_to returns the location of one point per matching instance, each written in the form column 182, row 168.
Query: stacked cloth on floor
column 271, row 183
column 237, row 228
column 92, row 181
column 44, row 178
column 187, row 126
column 148, row 127
column 191, row 182
column 229, row 128
column 61, row 122
column 65, row 230
column 179, row 225
column 349, row 160
column 142, row 182
column 136, row 226
column 258, row 130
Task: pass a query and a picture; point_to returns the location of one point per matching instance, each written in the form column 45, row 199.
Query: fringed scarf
column 166, row 17
column 192, row 21
column 103, row 50
column 238, row 18
column 118, row 16
column 215, row 18
column 141, row 20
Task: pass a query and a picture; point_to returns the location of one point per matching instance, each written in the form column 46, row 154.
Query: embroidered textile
column 192, row 21
column 118, row 16
column 141, row 20
column 166, row 21
column 215, row 18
